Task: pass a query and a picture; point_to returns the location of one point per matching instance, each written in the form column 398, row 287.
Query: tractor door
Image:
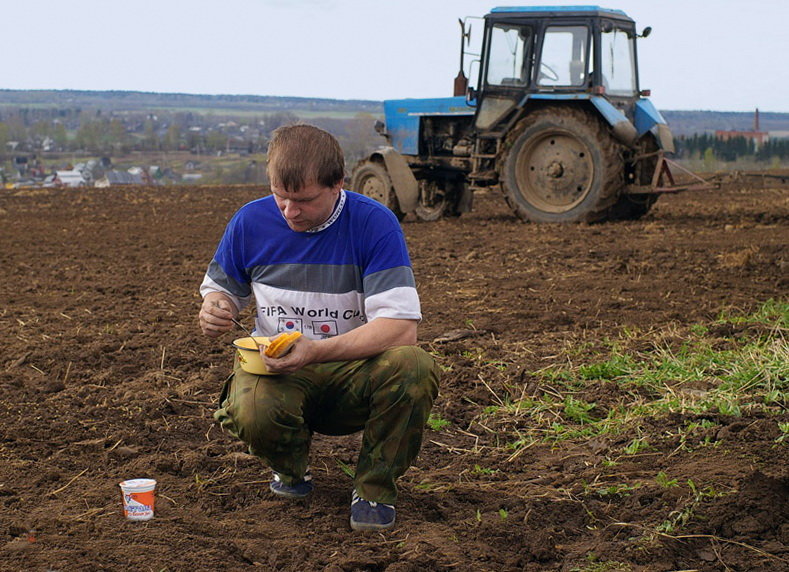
column 506, row 72
column 618, row 74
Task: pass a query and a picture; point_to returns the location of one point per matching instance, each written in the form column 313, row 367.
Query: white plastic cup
column 138, row 498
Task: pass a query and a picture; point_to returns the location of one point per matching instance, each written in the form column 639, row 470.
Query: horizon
column 218, row 95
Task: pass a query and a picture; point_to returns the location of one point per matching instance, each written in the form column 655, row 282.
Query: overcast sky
column 725, row 55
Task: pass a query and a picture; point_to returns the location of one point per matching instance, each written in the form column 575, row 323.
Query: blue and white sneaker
column 367, row 515
column 294, row 491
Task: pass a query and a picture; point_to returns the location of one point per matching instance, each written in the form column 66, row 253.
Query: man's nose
column 289, row 209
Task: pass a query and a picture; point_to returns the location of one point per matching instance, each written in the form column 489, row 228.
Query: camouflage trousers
column 389, row 397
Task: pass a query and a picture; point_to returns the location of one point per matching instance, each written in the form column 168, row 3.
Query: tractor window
column 564, row 57
column 508, row 46
column 619, row 76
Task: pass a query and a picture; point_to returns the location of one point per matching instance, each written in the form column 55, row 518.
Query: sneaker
column 294, row 491
column 367, row 515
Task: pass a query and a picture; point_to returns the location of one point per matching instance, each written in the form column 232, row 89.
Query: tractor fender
column 648, row 118
column 404, row 182
column 624, row 131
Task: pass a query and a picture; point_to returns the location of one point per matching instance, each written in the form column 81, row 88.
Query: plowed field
column 104, row 376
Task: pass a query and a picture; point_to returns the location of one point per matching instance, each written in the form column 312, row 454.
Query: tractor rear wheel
column 372, row 180
column 561, row 165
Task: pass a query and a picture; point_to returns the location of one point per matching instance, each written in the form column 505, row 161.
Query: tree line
column 701, row 146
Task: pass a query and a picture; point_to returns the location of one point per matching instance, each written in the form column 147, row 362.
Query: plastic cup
column 138, row 498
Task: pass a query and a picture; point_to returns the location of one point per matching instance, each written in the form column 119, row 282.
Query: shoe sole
column 368, row 526
column 287, row 495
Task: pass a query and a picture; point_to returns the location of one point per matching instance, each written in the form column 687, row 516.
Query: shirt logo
column 324, row 328
column 290, row 325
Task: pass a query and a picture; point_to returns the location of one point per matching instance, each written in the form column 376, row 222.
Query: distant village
column 75, row 145
column 29, row 172
column 79, row 151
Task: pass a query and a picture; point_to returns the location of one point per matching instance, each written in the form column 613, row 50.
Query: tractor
column 557, row 121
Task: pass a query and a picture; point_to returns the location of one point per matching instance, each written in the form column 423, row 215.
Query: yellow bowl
column 249, row 354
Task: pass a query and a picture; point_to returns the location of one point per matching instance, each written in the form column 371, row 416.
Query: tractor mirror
column 471, row 94
column 646, row 32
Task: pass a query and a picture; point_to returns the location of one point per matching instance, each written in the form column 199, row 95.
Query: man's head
column 306, row 169
column 302, row 154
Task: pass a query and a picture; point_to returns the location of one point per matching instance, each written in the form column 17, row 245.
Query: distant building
column 758, row 137
column 119, row 178
column 69, row 179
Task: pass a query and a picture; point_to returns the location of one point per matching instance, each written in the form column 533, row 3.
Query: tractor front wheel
column 561, row 165
column 372, row 180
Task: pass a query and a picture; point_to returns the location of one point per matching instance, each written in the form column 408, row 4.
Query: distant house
column 120, row 178
column 142, row 173
column 756, row 135
column 69, row 179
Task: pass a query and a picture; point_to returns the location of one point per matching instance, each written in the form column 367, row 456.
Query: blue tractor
column 557, row 120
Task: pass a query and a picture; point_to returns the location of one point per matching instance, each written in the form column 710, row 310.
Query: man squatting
column 334, row 265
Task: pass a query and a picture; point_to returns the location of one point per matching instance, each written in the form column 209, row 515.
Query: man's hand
column 216, row 314
column 301, row 353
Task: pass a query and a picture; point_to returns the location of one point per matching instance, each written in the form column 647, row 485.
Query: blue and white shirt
column 327, row 281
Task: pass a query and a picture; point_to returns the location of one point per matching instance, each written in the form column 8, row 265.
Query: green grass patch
column 701, row 374
column 436, row 423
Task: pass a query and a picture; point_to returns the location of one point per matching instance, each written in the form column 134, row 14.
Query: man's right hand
column 216, row 314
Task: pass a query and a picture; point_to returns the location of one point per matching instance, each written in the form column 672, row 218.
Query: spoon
column 247, row 332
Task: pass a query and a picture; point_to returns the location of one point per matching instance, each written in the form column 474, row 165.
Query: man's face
column 306, row 208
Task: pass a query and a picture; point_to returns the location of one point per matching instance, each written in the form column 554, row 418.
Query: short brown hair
column 299, row 155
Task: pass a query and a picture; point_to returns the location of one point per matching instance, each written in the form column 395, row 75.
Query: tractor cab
column 553, row 53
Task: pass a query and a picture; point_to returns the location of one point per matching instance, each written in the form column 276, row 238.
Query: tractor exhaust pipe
column 461, row 81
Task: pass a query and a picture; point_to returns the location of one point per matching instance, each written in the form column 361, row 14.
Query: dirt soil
column 104, row 376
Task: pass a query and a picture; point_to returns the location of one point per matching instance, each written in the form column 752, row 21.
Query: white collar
column 334, row 215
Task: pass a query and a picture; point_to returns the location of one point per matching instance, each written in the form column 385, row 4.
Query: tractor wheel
column 372, row 180
column 561, row 165
column 432, row 201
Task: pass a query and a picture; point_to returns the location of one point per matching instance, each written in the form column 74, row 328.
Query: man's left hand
column 300, row 355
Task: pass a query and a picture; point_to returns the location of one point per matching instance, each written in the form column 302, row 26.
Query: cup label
column 138, row 506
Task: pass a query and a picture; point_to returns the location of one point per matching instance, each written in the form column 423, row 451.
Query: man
column 333, row 265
